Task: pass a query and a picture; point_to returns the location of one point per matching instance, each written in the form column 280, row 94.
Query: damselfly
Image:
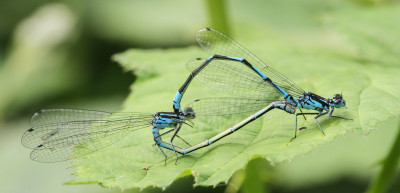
column 63, row 134
column 234, row 69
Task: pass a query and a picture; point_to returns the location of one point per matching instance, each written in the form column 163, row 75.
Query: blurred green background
column 57, row 54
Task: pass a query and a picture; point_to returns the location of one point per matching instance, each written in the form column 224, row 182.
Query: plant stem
column 217, row 15
column 385, row 176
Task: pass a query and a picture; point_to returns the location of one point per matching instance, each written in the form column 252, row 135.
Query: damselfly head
column 188, row 113
column 338, row 101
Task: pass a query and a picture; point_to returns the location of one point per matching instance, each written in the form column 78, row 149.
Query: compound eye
column 188, row 111
column 337, row 97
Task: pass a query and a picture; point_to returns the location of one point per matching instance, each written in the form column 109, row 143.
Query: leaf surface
column 355, row 59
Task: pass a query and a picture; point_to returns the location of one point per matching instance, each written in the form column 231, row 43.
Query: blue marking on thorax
column 308, row 102
column 165, row 120
column 235, row 58
column 314, row 104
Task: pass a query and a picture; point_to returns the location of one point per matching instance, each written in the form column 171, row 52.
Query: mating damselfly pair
column 62, row 134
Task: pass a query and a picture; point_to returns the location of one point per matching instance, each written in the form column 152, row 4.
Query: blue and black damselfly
column 63, row 134
column 234, row 69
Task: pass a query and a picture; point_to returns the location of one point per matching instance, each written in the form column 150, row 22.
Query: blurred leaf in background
column 38, row 53
column 144, row 23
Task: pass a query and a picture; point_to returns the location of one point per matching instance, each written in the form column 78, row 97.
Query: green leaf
column 328, row 66
column 373, row 35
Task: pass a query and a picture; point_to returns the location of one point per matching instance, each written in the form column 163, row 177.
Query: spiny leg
column 162, row 135
column 172, row 139
column 303, row 115
column 165, row 133
column 330, row 115
column 188, row 124
column 176, row 136
column 183, row 140
column 341, row 118
column 165, row 161
column 295, row 127
column 301, row 128
column 316, row 117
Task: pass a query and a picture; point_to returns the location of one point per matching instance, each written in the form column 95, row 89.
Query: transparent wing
column 49, row 116
column 234, row 78
column 52, row 141
column 216, row 42
column 226, row 106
